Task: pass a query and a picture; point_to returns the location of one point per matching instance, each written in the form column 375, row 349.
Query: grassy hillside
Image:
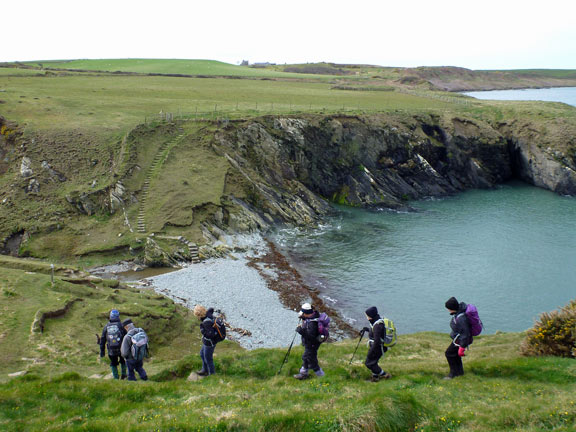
column 500, row 391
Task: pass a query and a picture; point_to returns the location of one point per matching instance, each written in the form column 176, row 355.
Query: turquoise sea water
column 558, row 94
column 511, row 251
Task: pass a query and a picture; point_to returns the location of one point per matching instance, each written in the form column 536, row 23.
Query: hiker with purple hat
column 463, row 316
column 313, row 329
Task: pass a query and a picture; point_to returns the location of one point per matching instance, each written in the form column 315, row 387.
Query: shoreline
column 257, row 291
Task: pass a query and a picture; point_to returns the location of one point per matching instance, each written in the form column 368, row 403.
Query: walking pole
column 287, row 352
column 357, row 345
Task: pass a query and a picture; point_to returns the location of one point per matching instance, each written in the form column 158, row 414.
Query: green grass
column 164, row 66
column 105, row 104
column 68, row 343
column 500, row 391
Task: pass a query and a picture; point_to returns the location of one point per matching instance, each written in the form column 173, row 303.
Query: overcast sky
column 486, row 34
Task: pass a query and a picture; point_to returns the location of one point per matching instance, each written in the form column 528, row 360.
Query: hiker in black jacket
column 209, row 339
column 461, row 337
column 308, row 329
column 377, row 334
column 112, row 336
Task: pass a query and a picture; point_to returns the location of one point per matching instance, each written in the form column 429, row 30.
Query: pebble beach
column 229, row 285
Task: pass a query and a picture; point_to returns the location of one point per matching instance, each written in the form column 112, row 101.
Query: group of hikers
column 128, row 345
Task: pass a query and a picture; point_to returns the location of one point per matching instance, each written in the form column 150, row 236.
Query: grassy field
column 500, row 391
column 107, row 103
column 165, row 66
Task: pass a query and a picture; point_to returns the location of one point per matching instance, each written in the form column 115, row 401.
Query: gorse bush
column 554, row 333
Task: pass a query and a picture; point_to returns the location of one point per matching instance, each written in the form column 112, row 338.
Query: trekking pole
column 357, row 345
column 287, row 353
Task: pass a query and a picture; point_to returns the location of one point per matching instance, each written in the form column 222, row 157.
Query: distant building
column 263, row 64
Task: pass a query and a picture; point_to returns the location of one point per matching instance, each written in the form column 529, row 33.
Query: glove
column 461, row 351
column 365, row 329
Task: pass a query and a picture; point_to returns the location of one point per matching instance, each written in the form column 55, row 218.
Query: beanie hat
column 126, row 322
column 372, row 312
column 114, row 314
column 307, row 308
column 452, row 304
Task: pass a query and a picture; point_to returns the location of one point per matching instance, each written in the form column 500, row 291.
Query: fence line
column 246, row 110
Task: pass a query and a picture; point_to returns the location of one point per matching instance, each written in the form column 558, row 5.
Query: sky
column 487, row 34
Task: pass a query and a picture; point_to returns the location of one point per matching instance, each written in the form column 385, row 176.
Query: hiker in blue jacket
column 134, row 364
column 377, row 335
column 112, row 335
column 461, row 337
column 308, row 329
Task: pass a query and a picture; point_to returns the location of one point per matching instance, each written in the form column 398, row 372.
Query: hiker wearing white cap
column 308, row 329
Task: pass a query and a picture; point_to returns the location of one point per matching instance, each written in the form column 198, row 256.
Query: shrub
column 554, row 333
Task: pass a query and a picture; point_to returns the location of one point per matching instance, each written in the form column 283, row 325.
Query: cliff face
column 247, row 176
column 289, row 164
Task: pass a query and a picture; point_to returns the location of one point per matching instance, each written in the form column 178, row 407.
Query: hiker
column 376, row 348
column 134, row 349
column 308, row 329
column 112, row 335
column 461, row 337
column 213, row 331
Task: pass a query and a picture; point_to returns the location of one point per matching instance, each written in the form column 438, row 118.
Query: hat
column 307, row 308
column 372, row 312
column 452, row 304
column 114, row 314
column 126, row 322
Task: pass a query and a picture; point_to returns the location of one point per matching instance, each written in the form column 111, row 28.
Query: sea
column 510, row 251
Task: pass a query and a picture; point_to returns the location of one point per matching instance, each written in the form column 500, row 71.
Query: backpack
column 139, row 347
column 220, row 330
column 113, row 337
column 476, row 325
column 391, row 336
column 323, row 324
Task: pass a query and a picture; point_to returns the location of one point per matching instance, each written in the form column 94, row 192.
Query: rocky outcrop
column 545, row 168
column 291, row 168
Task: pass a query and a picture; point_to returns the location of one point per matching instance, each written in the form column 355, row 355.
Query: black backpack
column 218, row 333
column 114, row 337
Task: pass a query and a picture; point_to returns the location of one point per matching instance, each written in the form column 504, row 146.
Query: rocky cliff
column 244, row 176
column 290, row 168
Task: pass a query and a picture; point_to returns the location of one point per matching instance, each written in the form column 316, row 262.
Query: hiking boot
column 123, row 377
column 383, row 375
column 301, row 376
column 319, row 373
column 202, row 373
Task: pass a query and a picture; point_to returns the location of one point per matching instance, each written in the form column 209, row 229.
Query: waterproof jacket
column 460, row 326
column 207, row 329
column 376, row 335
column 126, row 349
column 309, row 331
column 104, row 337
